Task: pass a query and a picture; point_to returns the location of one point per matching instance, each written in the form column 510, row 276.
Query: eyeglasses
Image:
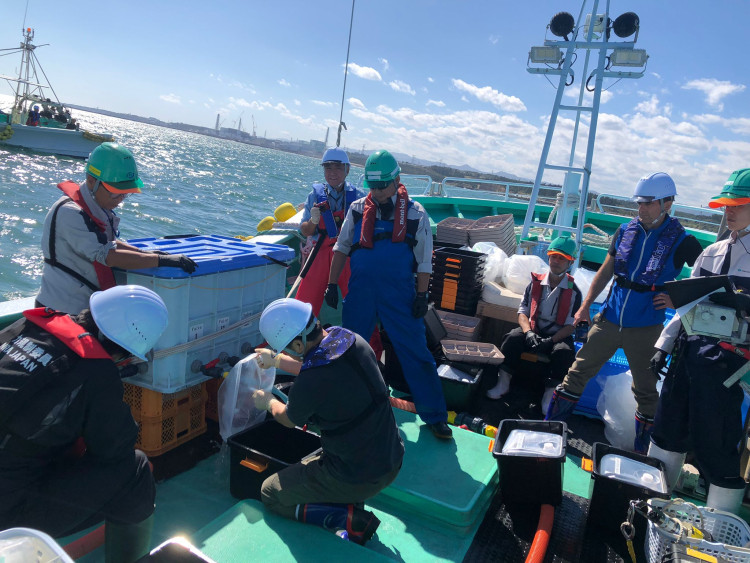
column 114, row 195
column 379, row 185
column 334, row 166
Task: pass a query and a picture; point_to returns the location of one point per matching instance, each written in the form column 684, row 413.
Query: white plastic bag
column 616, row 405
column 520, row 267
column 584, row 277
column 496, row 260
column 237, row 411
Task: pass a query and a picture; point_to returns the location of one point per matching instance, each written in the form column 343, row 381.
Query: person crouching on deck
column 339, row 389
column 67, row 456
column 545, row 319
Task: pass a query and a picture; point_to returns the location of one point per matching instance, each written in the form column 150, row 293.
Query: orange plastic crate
column 157, row 436
column 147, row 403
column 212, row 399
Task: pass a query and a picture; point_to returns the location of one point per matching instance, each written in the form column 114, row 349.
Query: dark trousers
column 560, row 358
column 77, row 494
column 696, row 412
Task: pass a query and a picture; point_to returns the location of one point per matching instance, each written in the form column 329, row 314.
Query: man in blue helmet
column 67, row 457
column 388, row 241
column 645, row 253
column 338, row 388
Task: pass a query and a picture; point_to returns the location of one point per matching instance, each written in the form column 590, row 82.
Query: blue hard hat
column 335, row 154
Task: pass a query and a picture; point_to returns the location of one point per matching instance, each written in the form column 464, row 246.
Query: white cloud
column 714, row 90
column 283, row 82
column 366, row 72
column 171, row 98
column 489, row 94
column 242, row 102
column 356, row 103
column 400, row 86
column 385, row 64
column 437, row 103
column 370, row 117
column 494, row 39
column 297, row 103
column 322, row 103
column 430, row 79
column 588, row 97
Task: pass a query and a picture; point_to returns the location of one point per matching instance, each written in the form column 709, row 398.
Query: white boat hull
column 65, row 142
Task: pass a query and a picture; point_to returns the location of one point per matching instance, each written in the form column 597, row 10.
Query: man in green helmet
column 80, row 241
column 696, row 411
column 545, row 319
column 388, row 240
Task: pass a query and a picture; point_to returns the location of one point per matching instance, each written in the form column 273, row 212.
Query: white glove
column 315, row 215
column 262, row 400
column 267, row 358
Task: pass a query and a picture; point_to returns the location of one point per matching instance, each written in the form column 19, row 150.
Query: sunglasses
column 383, row 186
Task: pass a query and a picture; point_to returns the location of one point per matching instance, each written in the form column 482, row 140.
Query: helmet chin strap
column 662, row 213
column 554, row 275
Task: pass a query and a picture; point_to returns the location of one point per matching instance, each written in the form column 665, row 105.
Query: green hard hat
column 114, row 166
column 565, row 246
column 736, row 190
column 380, row 170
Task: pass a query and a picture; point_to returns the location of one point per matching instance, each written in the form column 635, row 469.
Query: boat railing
column 699, row 218
column 453, row 186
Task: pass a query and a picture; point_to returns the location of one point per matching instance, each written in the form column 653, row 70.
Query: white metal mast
column 559, row 55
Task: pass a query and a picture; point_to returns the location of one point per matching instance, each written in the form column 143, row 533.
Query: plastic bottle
column 582, row 331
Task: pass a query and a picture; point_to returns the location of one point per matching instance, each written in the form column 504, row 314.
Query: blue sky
column 440, row 80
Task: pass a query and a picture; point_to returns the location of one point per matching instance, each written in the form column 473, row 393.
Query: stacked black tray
column 456, row 283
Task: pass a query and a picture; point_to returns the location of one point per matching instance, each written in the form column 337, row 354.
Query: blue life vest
column 670, row 234
column 337, row 341
column 350, row 196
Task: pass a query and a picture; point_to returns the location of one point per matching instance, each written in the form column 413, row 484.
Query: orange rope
column 85, row 544
column 403, row 405
column 538, row 547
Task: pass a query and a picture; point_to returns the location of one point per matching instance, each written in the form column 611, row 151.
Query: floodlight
column 551, row 55
column 628, row 57
column 626, row 24
column 598, row 24
column 562, row 24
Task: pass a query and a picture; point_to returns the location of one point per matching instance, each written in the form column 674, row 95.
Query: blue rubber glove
column 331, row 295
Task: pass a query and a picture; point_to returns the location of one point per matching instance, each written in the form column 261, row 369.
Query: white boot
column 673, row 462
column 728, row 500
column 503, row 384
column 546, row 398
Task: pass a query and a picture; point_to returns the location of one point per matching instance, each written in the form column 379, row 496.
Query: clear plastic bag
column 496, row 263
column 237, row 410
column 518, row 273
column 584, row 277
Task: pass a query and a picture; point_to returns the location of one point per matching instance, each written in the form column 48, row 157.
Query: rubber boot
column 547, row 398
column 562, row 404
column 503, row 385
column 360, row 524
column 126, row 543
column 673, row 462
column 728, row 500
column 644, row 426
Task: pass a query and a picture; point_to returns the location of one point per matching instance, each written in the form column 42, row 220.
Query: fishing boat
column 50, row 128
column 445, row 504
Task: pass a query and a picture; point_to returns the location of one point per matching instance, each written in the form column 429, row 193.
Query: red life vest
column 104, row 274
column 399, row 218
column 67, row 331
column 566, row 295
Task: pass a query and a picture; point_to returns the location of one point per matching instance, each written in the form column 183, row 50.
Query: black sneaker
column 441, row 430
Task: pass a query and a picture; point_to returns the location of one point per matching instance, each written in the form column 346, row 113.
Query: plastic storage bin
column 24, row 545
column 234, row 281
column 620, row 476
column 472, row 352
column 460, row 327
column 459, row 390
column 263, row 450
column 535, row 458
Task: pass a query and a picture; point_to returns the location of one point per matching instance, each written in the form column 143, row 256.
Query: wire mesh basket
column 728, row 531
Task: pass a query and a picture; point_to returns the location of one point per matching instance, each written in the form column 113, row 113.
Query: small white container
column 631, row 471
column 24, row 545
column 533, row 444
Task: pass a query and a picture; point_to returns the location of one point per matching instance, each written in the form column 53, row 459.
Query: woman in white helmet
column 67, row 457
column 339, row 388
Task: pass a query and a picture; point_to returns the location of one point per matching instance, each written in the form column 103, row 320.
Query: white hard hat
column 284, row 320
column 335, row 154
column 655, row 186
column 131, row 316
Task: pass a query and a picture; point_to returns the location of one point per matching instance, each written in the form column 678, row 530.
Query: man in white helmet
column 339, row 389
column 67, row 457
column 644, row 254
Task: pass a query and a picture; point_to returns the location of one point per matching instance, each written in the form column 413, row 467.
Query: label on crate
column 196, row 331
column 222, row 323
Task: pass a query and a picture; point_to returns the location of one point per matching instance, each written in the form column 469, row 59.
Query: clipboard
column 686, row 291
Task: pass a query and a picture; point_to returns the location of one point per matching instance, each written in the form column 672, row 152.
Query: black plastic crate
column 261, row 451
column 610, row 497
column 530, row 479
column 459, row 395
column 434, row 329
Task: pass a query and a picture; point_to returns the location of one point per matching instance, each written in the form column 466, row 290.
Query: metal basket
column 728, row 531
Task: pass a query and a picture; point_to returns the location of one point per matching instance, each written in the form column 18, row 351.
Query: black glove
column 545, row 345
column 658, row 361
column 738, row 301
column 160, row 252
column 178, row 261
column 419, row 308
column 332, row 295
column 532, row 339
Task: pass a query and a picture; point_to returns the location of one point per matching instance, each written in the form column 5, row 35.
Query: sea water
column 193, row 184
